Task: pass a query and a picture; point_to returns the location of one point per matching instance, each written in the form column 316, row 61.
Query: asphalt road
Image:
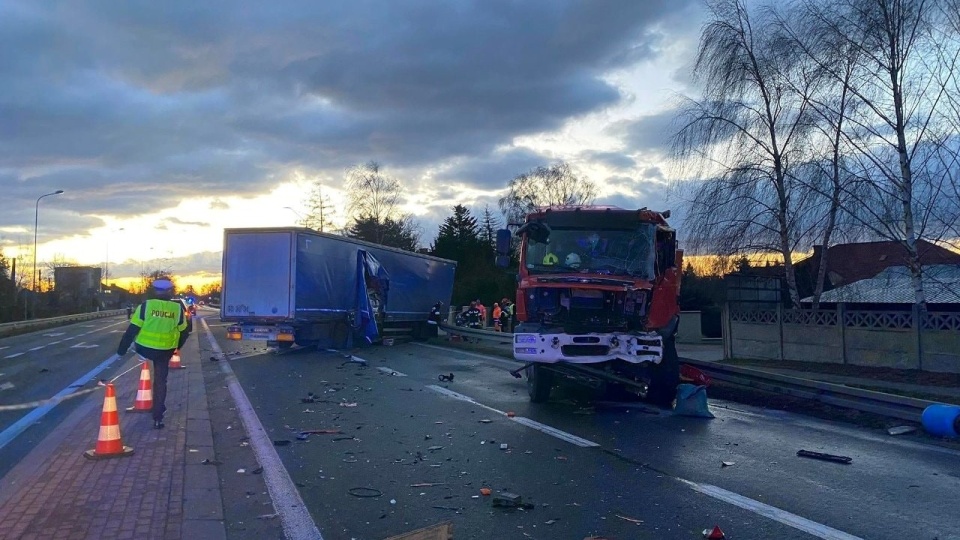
column 38, row 366
column 423, row 449
column 634, row 472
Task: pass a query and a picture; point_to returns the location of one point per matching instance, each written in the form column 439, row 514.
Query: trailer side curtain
column 371, row 278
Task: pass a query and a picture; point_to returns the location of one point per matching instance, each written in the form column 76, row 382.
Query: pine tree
column 320, row 210
column 488, row 229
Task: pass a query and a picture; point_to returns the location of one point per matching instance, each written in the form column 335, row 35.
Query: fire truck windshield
column 595, row 251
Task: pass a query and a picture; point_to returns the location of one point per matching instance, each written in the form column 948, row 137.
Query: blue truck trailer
column 294, row 285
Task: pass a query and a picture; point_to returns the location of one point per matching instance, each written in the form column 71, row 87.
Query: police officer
column 158, row 327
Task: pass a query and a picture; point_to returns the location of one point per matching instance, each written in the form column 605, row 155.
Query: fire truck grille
column 585, row 350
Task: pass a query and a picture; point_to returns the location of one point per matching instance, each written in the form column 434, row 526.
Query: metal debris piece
column 901, row 430
column 428, row 484
column 445, row 378
column 825, row 457
column 635, row 521
column 485, row 421
column 727, row 464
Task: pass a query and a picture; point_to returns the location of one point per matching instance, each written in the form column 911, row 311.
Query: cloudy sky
column 165, row 122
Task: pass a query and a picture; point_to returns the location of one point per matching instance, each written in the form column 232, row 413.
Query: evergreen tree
column 459, row 236
column 398, row 233
column 488, row 229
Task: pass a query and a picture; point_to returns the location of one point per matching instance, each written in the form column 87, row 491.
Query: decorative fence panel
column 898, row 339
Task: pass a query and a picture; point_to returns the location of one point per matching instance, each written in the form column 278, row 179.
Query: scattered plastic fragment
column 211, row 462
column 348, row 404
column 714, row 534
column 485, row 421
column 322, row 431
column 727, row 464
column 445, row 378
column 635, row 521
column 511, row 414
column 435, row 448
column 428, row 484
column 241, row 471
column 503, row 446
column 268, row 516
column 485, row 491
column 825, row 457
column 901, row 430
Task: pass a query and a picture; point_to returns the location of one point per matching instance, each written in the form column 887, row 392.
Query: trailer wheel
column 539, row 383
column 666, row 376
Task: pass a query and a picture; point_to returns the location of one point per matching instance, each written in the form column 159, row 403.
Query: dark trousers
column 161, row 368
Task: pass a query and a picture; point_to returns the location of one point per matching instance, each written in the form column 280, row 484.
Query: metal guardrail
column 484, row 335
column 891, row 405
column 18, row 326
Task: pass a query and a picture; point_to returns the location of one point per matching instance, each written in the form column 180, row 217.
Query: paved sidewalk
column 162, row 491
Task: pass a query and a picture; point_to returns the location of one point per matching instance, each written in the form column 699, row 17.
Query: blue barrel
column 942, row 420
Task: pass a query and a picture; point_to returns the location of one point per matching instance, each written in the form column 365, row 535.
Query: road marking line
column 53, row 343
column 55, row 334
column 533, row 424
column 393, row 372
column 83, row 345
column 4, row 347
column 792, row 520
column 31, row 418
column 14, row 355
column 36, row 348
column 294, row 516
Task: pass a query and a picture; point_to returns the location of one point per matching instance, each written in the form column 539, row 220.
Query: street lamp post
column 36, row 222
column 106, row 265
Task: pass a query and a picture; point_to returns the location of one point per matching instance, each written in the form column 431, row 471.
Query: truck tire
column 665, row 377
column 539, row 383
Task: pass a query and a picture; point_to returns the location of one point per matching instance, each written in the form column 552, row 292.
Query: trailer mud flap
column 372, row 279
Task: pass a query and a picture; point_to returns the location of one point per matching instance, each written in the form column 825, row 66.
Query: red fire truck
column 597, row 299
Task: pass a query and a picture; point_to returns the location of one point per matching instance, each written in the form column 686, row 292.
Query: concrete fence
column 895, row 339
column 22, row 327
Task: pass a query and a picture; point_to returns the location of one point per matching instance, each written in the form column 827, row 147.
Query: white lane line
column 14, row 355
column 512, row 364
column 4, row 347
column 54, row 334
column 393, row 372
column 294, row 516
column 792, row 520
column 533, row 424
column 69, row 338
column 6, row 385
column 36, row 348
column 84, row 345
column 53, row 343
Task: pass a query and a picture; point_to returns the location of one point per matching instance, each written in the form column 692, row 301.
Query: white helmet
column 572, row 260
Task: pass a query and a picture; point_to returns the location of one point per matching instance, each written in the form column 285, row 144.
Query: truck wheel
column 539, row 383
column 665, row 377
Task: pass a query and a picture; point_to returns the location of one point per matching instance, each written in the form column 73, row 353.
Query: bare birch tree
column 743, row 136
column 556, row 185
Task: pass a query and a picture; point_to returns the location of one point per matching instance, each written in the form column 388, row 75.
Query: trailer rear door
column 258, row 276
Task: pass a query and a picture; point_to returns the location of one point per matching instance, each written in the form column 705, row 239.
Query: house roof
column 941, row 285
column 848, row 263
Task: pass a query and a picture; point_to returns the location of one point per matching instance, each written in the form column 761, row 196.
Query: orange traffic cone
column 714, row 534
column 175, row 360
column 144, row 402
column 109, row 443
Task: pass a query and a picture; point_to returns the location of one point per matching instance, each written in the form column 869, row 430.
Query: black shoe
column 158, row 424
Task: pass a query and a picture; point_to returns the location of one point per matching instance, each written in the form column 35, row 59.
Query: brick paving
column 159, row 492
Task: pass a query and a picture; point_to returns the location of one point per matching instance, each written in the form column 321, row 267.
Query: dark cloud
column 648, row 134
column 614, row 160
column 133, row 106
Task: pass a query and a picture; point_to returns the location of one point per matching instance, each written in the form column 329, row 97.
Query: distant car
column 188, row 312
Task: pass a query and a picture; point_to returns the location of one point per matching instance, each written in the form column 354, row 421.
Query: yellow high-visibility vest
column 160, row 322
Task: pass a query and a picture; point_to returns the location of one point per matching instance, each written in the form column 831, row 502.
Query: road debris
column 447, row 508
column 485, row 421
column 241, row 471
column 485, row 491
column 635, row 521
column 281, row 442
column 211, row 462
column 445, row 378
column 367, row 493
column 901, row 430
column 435, row 448
column 258, row 470
column 825, row 457
column 551, row 521
column 727, row 464
column 714, row 534
column 268, row 516
column 428, row 484
column 348, row 404
column 321, row 431
column 510, row 500
column 692, row 401
column 511, row 414
column 302, row 436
